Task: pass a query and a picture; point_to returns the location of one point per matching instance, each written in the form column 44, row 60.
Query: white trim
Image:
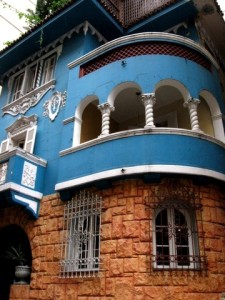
column 142, row 131
column 18, row 188
column 145, row 36
column 32, row 204
column 174, row 169
column 22, row 153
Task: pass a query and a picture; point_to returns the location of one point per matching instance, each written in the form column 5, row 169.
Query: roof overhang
column 56, row 26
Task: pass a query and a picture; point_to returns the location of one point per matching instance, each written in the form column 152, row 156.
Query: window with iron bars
column 175, row 239
column 177, row 229
column 81, row 236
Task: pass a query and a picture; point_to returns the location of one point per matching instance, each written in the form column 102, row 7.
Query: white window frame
column 43, row 73
column 81, row 242
column 192, row 239
column 24, row 129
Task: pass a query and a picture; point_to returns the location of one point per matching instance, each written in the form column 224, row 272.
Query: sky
column 12, row 27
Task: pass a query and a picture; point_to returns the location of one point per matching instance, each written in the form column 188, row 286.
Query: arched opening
column 169, row 110
column 212, row 119
column 204, row 116
column 129, row 111
column 87, row 121
column 11, row 236
column 91, row 122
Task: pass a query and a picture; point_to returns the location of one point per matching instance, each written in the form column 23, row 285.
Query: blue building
column 108, row 104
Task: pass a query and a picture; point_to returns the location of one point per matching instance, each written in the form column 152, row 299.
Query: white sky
column 11, row 26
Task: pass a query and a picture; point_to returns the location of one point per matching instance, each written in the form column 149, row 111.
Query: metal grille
column 135, row 10
column 152, row 48
column 177, row 230
column 128, row 12
column 81, row 236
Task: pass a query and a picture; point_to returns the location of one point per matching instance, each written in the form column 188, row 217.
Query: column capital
column 148, row 98
column 191, row 102
column 106, row 107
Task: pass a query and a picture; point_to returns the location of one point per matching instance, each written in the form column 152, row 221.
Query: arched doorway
column 11, row 236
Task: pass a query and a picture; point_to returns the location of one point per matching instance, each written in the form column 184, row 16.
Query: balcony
column 157, row 110
column 141, row 152
column 21, row 180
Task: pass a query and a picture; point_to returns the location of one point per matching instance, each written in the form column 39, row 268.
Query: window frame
column 80, row 255
column 23, row 129
column 193, row 241
column 32, row 80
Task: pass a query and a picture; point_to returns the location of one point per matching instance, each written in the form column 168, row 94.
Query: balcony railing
column 129, row 12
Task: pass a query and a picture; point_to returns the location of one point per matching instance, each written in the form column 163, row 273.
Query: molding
column 69, row 120
column 24, row 154
column 33, row 205
column 23, row 104
column 22, row 124
column 18, row 188
column 174, row 169
column 85, row 26
column 143, row 37
column 36, row 56
column 148, row 131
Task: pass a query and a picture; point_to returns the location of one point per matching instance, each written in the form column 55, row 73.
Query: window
column 175, row 238
column 81, row 243
column 48, row 69
column 33, row 76
column 21, row 134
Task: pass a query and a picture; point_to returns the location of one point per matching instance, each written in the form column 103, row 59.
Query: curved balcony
column 159, row 150
column 156, row 108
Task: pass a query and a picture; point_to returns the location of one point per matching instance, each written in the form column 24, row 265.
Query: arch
column 216, row 115
column 169, row 110
column 176, row 84
column 12, row 235
column 78, row 120
column 129, row 110
column 122, row 86
column 174, row 239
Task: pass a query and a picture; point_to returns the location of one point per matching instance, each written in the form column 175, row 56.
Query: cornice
column 83, row 27
column 143, row 37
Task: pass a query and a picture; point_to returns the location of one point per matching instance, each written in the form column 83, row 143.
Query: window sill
column 24, row 103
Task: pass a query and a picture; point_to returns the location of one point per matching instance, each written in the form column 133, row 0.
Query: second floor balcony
column 154, row 109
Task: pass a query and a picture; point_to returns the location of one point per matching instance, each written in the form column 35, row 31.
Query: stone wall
column 126, row 271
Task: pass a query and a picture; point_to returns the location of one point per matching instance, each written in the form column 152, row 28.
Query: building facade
column 112, row 157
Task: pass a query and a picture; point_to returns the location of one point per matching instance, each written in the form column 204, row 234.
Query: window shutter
column 4, row 146
column 30, row 139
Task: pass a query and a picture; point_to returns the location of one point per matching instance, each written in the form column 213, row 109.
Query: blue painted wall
column 146, row 71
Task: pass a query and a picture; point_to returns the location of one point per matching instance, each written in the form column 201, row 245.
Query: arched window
column 175, row 239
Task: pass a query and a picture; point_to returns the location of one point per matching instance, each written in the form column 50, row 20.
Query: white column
column 149, row 100
column 105, row 109
column 192, row 104
column 77, row 131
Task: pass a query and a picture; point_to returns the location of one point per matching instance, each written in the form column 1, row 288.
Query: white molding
column 31, row 203
column 142, row 37
column 149, row 131
column 174, row 169
column 24, row 154
column 18, row 188
column 24, row 103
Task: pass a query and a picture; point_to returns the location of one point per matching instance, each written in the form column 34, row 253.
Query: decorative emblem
column 23, row 105
column 3, row 172
column 29, row 175
column 54, row 104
